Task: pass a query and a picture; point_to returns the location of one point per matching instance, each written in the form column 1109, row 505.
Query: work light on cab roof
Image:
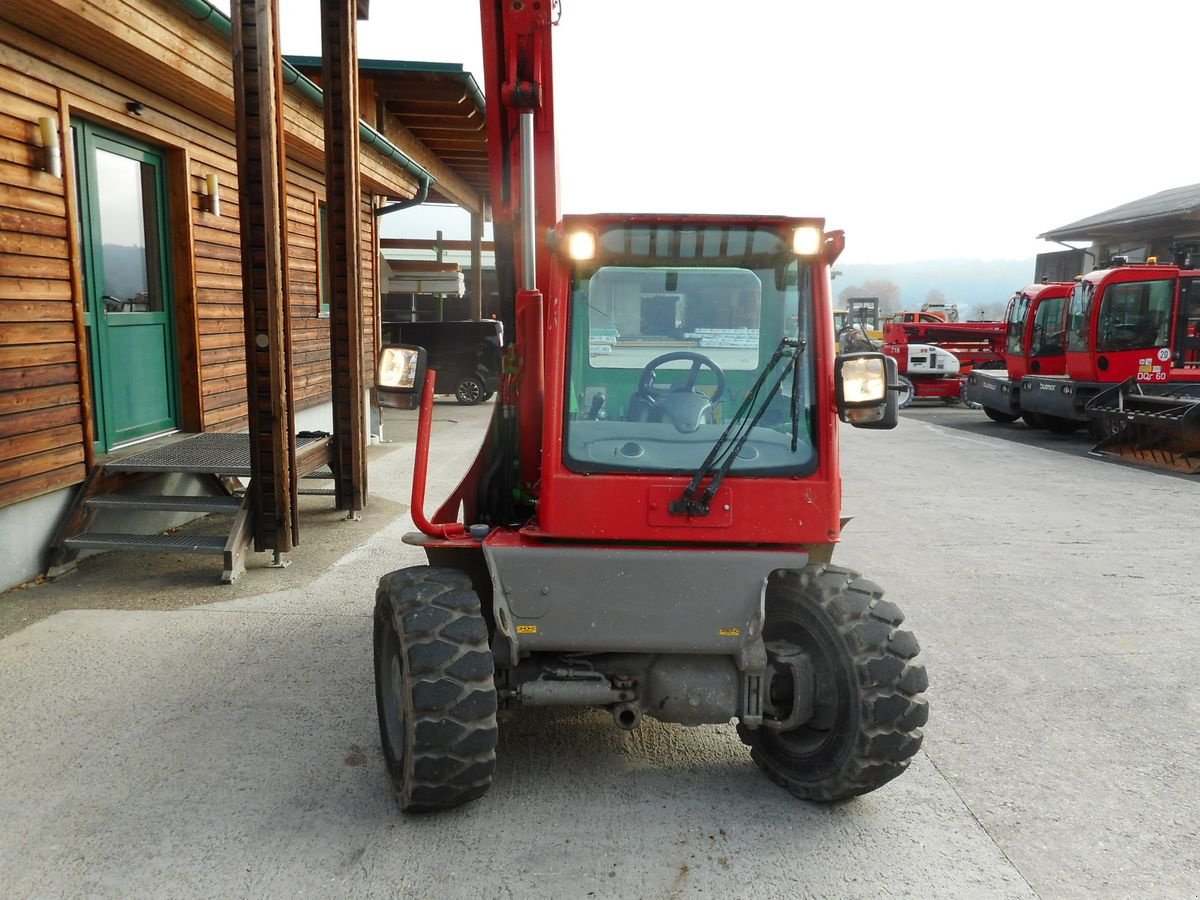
column 806, row 240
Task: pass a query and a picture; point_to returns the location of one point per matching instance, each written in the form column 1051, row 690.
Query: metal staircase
column 115, row 509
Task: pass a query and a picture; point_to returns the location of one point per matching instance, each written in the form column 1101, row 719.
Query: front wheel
column 434, row 688
column 867, row 712
column 997, row 416
column 907, row 392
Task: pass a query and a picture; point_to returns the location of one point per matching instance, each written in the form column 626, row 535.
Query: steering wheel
column 699, row 361
column 685, row 406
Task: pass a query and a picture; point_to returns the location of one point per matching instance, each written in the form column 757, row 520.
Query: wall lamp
column 51, row 148
column 210, row 200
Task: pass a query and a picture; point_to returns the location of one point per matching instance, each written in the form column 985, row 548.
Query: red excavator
column 1034, row 343
column 649, row 523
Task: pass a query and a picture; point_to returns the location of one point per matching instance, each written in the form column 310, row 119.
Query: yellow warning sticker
column 526, row 629
column 729, row 632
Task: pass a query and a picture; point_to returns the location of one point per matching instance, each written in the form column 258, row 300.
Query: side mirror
column 401, row 376
column 868, row 387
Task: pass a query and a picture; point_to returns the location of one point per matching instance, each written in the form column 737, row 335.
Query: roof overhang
column 1169, row 213
column 439, row 105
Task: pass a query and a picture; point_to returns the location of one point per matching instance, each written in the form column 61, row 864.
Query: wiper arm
column 795, row 399
column 720, row 458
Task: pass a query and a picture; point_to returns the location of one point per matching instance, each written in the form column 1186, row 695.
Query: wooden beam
column 476, row 287
column 423, row 92
column 339, row 75
column 420, row 244
column 262, row 208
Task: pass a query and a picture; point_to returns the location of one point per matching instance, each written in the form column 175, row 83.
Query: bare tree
column 935, row 297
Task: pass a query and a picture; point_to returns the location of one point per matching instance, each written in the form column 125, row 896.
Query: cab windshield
column 1078, row 315
column 674, row 332
column 1018, row 309
column 1135, row 315
column 1047, row 337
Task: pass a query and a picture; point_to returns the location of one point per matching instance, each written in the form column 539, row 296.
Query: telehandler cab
column 1034, row 343
column 649, row 524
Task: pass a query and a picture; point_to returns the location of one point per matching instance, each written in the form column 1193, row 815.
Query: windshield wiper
column 720, row 458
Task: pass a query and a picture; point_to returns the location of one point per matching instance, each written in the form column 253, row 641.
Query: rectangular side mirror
column 401, row 376
column 867, row 390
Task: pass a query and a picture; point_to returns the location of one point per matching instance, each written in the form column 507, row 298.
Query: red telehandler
column 1153, row 417
column 649, row 524
column 1119, row 328
column 1034, row 342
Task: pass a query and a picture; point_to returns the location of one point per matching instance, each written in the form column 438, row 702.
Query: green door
column 128, row 298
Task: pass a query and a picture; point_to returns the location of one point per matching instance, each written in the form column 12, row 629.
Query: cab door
column 129, row 307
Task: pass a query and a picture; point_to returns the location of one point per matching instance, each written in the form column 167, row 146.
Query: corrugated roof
column 1157, row 209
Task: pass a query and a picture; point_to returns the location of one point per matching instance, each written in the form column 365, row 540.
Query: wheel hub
column 791, row 687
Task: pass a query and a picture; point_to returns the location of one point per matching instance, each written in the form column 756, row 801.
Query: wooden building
column 120, row 274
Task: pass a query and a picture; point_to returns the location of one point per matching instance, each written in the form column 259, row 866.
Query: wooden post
column 441, row 298
column 258, row 93
column 339, row 75
column 476, row 286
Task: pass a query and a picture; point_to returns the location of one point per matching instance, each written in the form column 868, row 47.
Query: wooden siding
column 187, row 111
column 41, row 401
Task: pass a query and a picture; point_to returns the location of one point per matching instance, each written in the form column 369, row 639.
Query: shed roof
column 438, row 103
column 1158, row 214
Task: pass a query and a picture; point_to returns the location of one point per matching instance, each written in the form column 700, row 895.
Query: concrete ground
column 161, row 735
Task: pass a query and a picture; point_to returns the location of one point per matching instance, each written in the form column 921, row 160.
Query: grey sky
column 925, row 130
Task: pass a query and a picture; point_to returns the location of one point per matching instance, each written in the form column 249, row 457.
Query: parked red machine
column 1119, row 327
column 1034, row 342
column 934, row 358
column 1153, row 417
column 648, row 526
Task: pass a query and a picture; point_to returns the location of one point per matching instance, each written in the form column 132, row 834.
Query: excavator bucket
column 1154, row 425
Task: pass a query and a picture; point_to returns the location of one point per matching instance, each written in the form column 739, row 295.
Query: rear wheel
column 434, row 688
column 470, row 391
column 1059, row 425
column 996, row 416
column 867, row 712
column 907, row 392
column 1033, row 420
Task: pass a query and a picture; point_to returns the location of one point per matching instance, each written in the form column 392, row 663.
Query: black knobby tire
column 1059, row 425
column 997, row 416
column 434, row 688
column 1033, row 420
column 470, row 391
column 907, row 393
column 867, row 709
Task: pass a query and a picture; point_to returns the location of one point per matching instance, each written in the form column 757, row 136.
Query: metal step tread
column 217, row 453
column 317, row 492
column 166, row 543
column 323, row 472
column 165, row 502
